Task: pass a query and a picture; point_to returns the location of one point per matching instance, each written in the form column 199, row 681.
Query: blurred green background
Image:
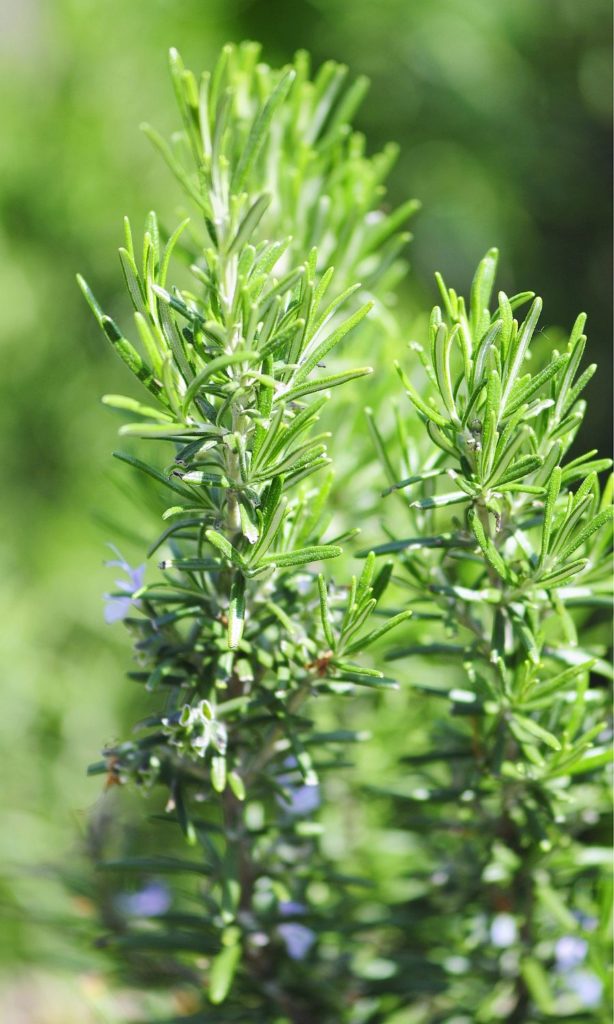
column 502, row 111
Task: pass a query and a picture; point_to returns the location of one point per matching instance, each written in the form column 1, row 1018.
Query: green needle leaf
column 303, row 556
column 259, row 129
column 322, row 384
column 370, row 638
column 223, row 970
column 218, row 364
column 528, row 725
column 313, row 357
column 325, row 613
column 236, row 612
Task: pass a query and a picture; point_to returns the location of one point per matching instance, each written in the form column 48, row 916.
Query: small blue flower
column 586, row 986
column 291, row 908
column 118, row 605
column 298, row 939
column 570, row 951
column 503, row 931
column 303, row 800
column 150, row 901
column 300, row 800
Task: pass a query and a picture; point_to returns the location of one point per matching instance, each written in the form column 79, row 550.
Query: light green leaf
column 554, row 488
column 365, row 641
column 223, row 544
column 603, row 517
column 154, row 473
column 528, row 725
column 122, row 346
column 303, row 556
column 321, row 384
column 249, row 223
column 236, row 612
column 237, row 785
column 481, row 291
column 218, row 773
column 440, row 500
column 223, row 970
column 313, row 356
column 489, row 550
column 519, row 351
column 218, row 364
column 422, row 406
column 260, row 127
column 325, row 613
column 538, row 985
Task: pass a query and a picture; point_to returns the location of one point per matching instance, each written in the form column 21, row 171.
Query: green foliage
column 458, row 83
column 505, row 576
column 226, row 638
column 510, row 575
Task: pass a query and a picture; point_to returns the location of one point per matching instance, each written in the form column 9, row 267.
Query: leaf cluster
column 501, row 580
column 237, row 631
column 509, row 580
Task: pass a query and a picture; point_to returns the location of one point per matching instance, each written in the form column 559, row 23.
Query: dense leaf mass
column 507, row 570
column 239, row 631
column 501, row 581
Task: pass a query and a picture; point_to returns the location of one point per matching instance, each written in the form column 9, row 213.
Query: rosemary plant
column 505, row 575
column 507, row 567
column 238, row 631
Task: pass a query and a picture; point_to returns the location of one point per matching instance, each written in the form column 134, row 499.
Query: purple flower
column 150, row 901
column 503, row 931
column 290, row 908
column 587, row 986
column 570, row 951
column 302, row 800
column 298, row 939
column 299, row 800
column 118, row 605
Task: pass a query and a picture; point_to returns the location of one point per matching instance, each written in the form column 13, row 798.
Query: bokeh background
column 502, row 111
